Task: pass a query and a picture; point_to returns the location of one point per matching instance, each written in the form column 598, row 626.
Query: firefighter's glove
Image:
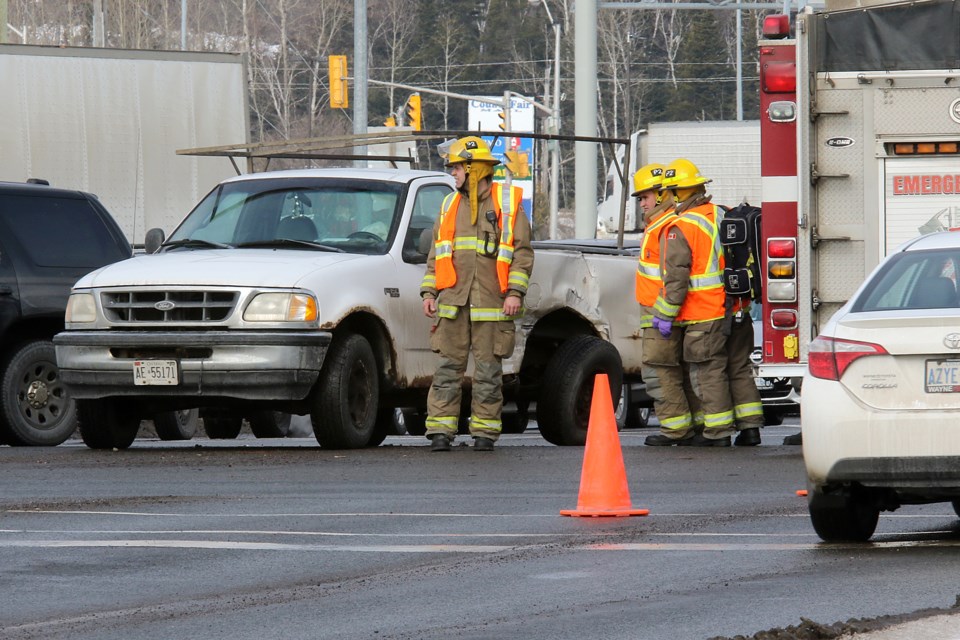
column 665, row 327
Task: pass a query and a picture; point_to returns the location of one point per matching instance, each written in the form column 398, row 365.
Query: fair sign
column 485, row 116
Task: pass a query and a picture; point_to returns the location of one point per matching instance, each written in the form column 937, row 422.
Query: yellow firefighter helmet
column 647, row 178
column 683, row 174
column 470, row 149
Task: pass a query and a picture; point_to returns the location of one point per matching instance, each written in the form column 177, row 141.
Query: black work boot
column 748, row 437
column 700, row 440
column 482, row 444
column 441, row 442
column 660, row 440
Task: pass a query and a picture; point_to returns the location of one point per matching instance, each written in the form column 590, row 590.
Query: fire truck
column 859, row 134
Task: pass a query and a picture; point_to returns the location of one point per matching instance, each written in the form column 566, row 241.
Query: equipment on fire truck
column 740, row 237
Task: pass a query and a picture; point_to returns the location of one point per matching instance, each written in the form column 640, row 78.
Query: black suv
column 49, row 238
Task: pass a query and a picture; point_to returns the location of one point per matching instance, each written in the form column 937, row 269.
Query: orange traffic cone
column 603, row 482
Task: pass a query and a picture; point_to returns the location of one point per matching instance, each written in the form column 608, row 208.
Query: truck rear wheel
column 222, row 424
column 269, row 424
column 344, row 411
column 108, row 423
column 176, row 425
column 566, row 391
column 36, row 408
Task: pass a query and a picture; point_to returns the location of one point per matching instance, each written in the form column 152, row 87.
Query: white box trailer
column 728, row 152
column 109, row 121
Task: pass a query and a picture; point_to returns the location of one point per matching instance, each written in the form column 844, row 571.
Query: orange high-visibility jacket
column 692, row 268
column 506, row 206
column 649, row 281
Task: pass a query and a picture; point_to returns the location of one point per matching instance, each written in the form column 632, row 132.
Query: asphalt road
column 282, row 539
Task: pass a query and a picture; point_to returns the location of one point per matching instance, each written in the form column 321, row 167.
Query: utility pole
column 99, row 38
column 360, row 73
column 585, row 117
column 3, row 21
column 183, row 25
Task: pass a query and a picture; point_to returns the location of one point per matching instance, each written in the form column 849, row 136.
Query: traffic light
column 503, row 120
column 390, row 122
column 518, row 163
column 414, row 114
column 338, row 82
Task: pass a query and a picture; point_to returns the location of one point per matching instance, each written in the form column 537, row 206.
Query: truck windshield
column 353, row 216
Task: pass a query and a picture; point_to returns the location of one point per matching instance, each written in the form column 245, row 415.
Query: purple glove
column 665, row 327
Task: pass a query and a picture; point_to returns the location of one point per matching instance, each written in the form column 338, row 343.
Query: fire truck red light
column 768, row 349
column 782, row 248
column 779, row 77
column 783, row 318
column 776, row 26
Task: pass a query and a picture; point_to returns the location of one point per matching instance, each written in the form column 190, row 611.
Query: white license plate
column 155, row 372
column 763, row 383
column 942, row 376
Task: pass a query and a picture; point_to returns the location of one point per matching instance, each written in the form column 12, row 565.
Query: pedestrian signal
column 338, row 82
column 414, row 114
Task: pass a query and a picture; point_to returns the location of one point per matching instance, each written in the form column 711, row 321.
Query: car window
column 60, row 232
column 913, row 280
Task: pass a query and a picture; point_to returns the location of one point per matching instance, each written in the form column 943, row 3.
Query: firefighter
column 692, row 300
column 478, row 270
column 738, row 327
column 665, row 375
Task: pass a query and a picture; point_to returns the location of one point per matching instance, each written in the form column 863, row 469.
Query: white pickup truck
column 298, row 291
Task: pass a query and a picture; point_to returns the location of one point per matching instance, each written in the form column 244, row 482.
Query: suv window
column 59, row 232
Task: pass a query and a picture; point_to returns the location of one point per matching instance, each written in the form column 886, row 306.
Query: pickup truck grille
column 168, row 306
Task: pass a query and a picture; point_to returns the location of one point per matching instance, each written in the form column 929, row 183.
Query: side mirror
column 426, row 239
column 153, row 240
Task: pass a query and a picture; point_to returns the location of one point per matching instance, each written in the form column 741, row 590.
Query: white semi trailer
column 728, row 152
column 109, row 122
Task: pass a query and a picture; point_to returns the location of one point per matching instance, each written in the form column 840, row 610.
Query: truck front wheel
column 566, row 391
column 344, row 411
column 108, row 423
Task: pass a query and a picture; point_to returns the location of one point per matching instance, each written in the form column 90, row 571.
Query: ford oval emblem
column 164, row 305
column 839, row 142
column 952, row 341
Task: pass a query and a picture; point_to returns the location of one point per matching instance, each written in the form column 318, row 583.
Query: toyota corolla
column 881, row 404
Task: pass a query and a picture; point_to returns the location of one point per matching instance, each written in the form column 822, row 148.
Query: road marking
column 472, row 548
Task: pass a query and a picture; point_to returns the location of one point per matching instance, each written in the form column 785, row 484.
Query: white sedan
column 880, row 409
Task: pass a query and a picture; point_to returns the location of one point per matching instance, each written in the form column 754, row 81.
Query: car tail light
column 828, row 358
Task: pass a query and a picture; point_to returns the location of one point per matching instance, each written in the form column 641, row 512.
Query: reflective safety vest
column 506, row 204
column 649, row 280
column 705, row 298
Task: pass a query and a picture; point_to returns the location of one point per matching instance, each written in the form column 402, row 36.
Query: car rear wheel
column 344, row 411
column 176, row 425
column 37, row 409
column 772, row 417
column 108, row 423
column 566, row 391
column 843, row 516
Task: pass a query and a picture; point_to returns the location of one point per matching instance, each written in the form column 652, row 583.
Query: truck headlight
column 81, row 307
column 282, row 307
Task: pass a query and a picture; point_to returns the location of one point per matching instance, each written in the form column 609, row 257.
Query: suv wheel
column 36, row 408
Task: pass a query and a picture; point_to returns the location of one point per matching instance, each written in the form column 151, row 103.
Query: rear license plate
column 942, row 376
column 155, row 372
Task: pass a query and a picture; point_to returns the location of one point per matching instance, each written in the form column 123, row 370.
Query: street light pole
column 555, row 125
